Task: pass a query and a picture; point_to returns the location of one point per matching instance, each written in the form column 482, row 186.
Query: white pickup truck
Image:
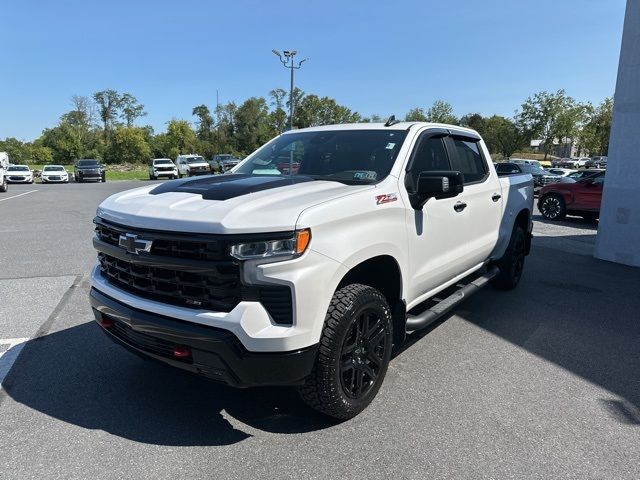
column 4, row 164
column 311, row 278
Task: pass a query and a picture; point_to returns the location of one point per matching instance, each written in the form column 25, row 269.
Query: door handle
column 460, row 206
column 495, row 197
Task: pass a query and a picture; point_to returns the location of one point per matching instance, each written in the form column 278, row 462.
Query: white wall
column 618, row 237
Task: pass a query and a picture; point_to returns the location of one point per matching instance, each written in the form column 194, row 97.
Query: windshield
column 53, row 168
column 347, row 156
column 162, row 162
column 195, row 160
column 532, row 169
column 18, row 168
column 88, row 163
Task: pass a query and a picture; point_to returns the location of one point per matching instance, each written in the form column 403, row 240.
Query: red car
column 580, row 198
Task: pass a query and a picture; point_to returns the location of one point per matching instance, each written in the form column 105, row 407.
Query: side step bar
column 426, row 318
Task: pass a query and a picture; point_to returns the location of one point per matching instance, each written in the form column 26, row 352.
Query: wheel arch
column 383, row 273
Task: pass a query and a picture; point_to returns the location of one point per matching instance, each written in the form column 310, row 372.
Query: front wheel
column 552, row 207
column 511, row 265
column 354, row 353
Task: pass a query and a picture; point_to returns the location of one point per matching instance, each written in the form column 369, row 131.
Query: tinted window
column 468, row 160
column 598, row 179
column 506, row 168
column 87, row 163
column 430, row 154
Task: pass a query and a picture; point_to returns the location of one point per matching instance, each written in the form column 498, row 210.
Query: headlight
column 285, row 248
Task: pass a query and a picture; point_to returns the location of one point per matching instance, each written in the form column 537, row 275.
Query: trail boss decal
column 386, row 198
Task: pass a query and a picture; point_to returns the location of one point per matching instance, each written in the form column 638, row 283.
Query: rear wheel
column 511, row 265
column 552, row 207
column 354, row 353
column 4, row 186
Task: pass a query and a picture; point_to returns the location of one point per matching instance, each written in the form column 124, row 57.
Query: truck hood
column 223, row 204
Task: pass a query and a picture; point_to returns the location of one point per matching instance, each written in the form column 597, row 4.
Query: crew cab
column 190, row 165
column 310, row 278
column 89, row 169
column 582, row 198
column 162, row 167
column 4, row 164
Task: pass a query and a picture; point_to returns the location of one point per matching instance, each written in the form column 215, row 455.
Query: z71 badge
column 386, row 198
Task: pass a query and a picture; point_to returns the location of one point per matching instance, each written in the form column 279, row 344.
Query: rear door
column 589, row 195
column 480, row 204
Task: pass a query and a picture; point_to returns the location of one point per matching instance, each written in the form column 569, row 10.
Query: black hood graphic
column 224, row 187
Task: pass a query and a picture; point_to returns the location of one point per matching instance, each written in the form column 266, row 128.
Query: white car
column 190, row 165
column 54, row 174
column 310, row 278
column 162, row 167
column 19, row 174
column 562, row 172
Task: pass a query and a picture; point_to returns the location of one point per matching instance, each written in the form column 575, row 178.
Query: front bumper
column 165, row 173
column 55, row 179
column 19, row 179
column 214, row 353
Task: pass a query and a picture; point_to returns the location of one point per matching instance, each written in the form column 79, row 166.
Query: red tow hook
column 181, row 351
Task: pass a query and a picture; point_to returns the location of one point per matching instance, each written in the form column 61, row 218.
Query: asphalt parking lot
column 541, row 382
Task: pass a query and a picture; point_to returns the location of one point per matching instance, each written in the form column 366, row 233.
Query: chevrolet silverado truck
column 309, row 278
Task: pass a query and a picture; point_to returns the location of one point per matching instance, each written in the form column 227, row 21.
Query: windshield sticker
column 390, row 146
column 368, row 175
column 386, row 198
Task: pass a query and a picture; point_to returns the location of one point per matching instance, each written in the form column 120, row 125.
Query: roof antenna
column 391, row 121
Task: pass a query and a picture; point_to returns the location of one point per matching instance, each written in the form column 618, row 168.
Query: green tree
column 314, row 110
column 441, row 112
column 544, row 116
column 130, row 108
column 17, row 150
column 501, row 135
column 204, row 122
column 594, row 135
column 253, row 127
column 128, row 145
column 474, row 121
column 108, row 102
column 416, row 115
column 179, row 139
column 278, row 117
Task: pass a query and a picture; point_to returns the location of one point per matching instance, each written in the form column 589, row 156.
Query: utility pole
column 289, row 62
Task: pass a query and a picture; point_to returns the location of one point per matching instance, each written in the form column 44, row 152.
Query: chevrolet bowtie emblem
column 132, row 244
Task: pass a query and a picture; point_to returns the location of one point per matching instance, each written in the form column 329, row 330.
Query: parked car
column 4, row 164
column 310, row 279
column 580, row 198
column 189, row 165
column 162, row 167
column 540, row 176
column 562, row 172
column 563, row 163
column 223, row 162
column 580, row 174
column 19, row 174
column 597, row 162
column 89, row 169
column 54, row 174
column 581, row 162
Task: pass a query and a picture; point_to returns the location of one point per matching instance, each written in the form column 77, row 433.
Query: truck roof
column 381, row 126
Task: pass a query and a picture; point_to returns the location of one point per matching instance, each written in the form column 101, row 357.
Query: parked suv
column 162, row 167
column 580, row 198
column 189, row 165
column 223, row 162
column 540, row 176
column 89, row 169
column 310, row 278
column 597, row 162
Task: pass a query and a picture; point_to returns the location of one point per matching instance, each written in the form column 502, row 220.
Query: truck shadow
column 79, row 377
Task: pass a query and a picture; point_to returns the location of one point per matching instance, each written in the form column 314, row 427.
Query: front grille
column 53, row 178
column 164, row 169
column 218, row 289
column 17, row 179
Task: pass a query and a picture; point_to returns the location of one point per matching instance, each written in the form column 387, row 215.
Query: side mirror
column 438, row 185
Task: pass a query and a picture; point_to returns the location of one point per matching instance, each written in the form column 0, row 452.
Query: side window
column 467, row 159
column 598, row 180
column 430, row 155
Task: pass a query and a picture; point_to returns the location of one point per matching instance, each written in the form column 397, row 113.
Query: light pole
column 289, row 62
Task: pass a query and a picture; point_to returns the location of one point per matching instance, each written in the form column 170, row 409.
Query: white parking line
column 9, row 356
column 19, row 195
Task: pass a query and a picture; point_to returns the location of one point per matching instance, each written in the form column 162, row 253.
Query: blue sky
column 375, row 57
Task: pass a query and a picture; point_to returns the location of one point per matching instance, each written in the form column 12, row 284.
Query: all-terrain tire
column 350, row 369
column 511, row 264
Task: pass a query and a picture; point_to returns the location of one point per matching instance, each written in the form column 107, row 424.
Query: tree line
column 103, row 126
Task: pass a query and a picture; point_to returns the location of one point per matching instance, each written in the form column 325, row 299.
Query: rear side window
column 467, row 159
column 507, row 168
